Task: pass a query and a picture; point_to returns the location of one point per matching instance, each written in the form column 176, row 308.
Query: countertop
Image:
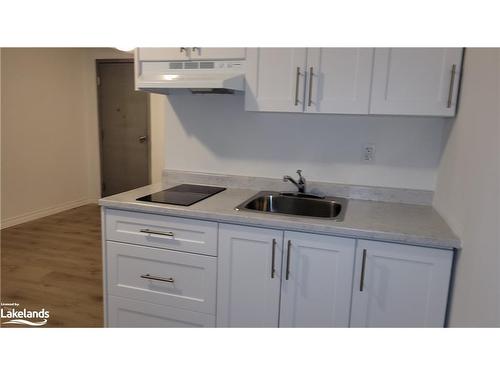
column 383, row 221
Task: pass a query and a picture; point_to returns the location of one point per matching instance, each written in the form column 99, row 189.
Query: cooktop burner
column 182, row 195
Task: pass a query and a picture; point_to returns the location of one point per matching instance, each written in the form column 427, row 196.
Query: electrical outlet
column 368, row 154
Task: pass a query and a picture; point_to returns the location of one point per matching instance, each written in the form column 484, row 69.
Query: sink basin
column 296, row 205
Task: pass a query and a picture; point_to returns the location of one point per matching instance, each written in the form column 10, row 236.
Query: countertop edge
column 275, row 222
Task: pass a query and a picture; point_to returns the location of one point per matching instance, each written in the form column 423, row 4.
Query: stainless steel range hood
column 168, row 77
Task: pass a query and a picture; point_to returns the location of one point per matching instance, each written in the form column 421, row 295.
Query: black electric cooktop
column 182, row 195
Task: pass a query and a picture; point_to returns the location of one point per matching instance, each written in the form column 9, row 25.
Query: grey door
column 124, row 126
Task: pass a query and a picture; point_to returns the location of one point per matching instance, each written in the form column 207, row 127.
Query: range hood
column 170, row 77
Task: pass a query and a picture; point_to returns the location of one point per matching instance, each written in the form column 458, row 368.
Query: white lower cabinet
column 316, row 291
column 310, row 286
column 206, row 274
column 249, row 276
column 400, row 286
column 129, row 313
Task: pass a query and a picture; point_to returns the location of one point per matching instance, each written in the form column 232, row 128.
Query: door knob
column 143, row 139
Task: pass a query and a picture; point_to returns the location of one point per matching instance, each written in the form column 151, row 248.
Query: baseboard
column 44, row 212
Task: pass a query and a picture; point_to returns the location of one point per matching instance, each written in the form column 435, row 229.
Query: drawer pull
column 158, row 278
column 273, row 269
column 149, row 231
column 363, row 265
column 297, row 78
column 311, row 75
column 289, row 245
column 452, row 83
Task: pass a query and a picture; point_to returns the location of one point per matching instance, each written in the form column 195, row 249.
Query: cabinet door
column 275, row 79
column 416, row 81
column 248, row 290
column 400, row 286
column 203, row 53
column 316, row 290
column 339, row 80
column 162, row 54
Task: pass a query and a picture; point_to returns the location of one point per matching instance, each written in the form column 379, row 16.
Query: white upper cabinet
column 315, row 80
column 189, row 53
column 338, row 80
column 316, row 281
column 416, row 81
column 162, row 54
column 249, row 276
column 204, row 53
column 275, row 79
column 400, row 286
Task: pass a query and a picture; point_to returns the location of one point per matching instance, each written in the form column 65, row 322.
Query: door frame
column 100, row 129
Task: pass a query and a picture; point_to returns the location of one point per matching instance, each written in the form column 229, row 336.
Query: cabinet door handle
column 363, row 265
column 311, row 74
column 297, row 78
column 158, row 278
column 289, row 245
column 273, row 269
column 149, row 231
column 452, row 84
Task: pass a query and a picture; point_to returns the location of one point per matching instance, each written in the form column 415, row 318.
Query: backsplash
column 213, row 134
column 380, row 194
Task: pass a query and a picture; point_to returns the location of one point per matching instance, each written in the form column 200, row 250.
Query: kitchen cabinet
column 275, row 79
column 399, row 285
column 189, row 53
column 317, row 290
column 315, row 80
column 416, row 81
column 166, row 271
column 338, row 80
column 260, row 285
column 159, row 271
column 249, row 276
column 379, row 81
column 210, row 53
column 128, row 313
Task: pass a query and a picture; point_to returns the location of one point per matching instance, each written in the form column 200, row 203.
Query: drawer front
column 127, row 313
column 194, row 236
column 165, row 277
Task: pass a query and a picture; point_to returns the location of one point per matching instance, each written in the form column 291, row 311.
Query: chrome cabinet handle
column 142, row 139
column 149, row 231
column 289, row 245
column 452, row 83
column 310, row 86
column 363, row 265
column 273, row 269
column 158, row 278
column 297, row 77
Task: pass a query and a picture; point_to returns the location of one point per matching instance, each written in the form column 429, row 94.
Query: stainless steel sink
column 296, row 204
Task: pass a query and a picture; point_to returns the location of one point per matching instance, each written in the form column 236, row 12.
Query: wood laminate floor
column 55, row 263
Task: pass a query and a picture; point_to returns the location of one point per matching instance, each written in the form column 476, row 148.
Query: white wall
column 50, row 139
column 468, row 192
column 213, row 133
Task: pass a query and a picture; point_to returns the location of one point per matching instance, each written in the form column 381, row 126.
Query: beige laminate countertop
column 393, row 222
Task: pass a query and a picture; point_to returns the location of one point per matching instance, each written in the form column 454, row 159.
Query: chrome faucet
column 301, row 184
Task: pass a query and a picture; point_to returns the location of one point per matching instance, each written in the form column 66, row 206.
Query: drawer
column 127, row 313
column 194, row 236
column 164, row 277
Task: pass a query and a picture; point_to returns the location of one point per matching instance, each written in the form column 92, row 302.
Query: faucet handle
column 299, row 172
